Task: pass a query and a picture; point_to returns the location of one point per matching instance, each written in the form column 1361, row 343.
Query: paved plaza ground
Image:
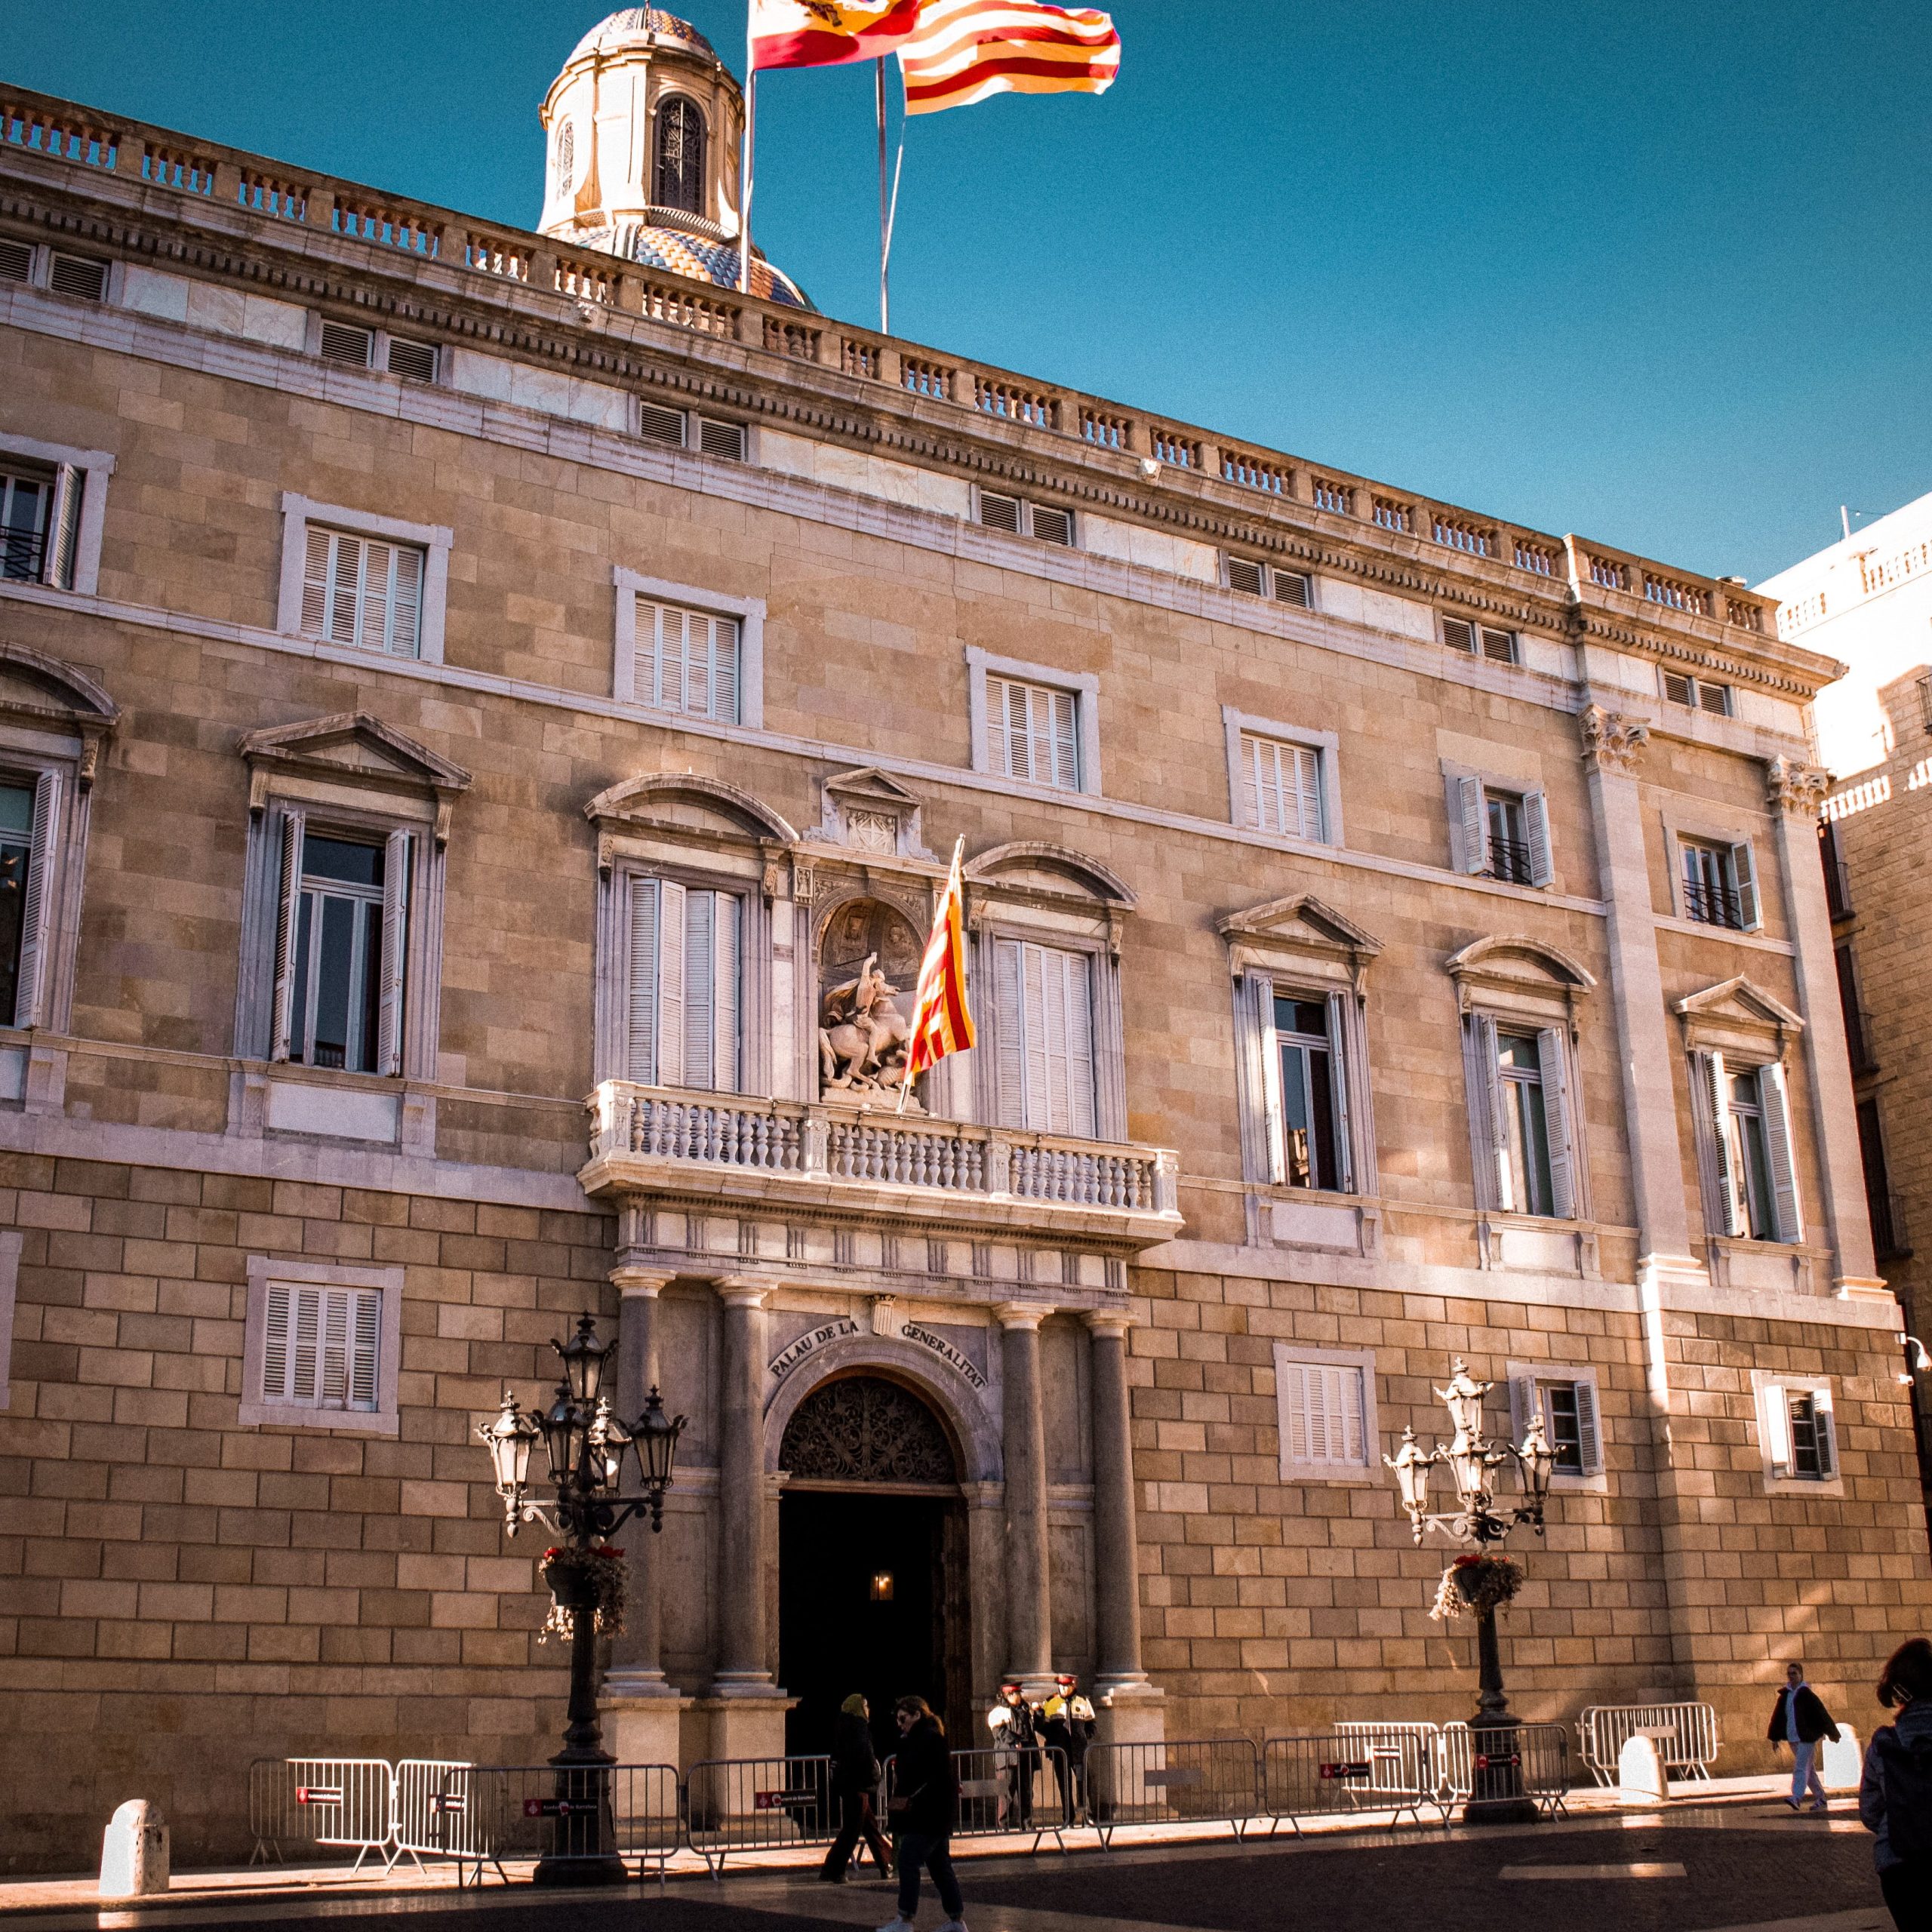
column 1692, row 1871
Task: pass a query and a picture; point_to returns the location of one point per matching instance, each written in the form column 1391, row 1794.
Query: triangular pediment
column 1300, row 921
column 357, row 746
column 1738, row 1003
column 868, row 783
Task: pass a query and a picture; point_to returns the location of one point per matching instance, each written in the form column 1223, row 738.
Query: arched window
column 680, row 181
column 566, row 157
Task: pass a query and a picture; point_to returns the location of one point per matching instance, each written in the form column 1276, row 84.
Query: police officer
column 1066, row 1727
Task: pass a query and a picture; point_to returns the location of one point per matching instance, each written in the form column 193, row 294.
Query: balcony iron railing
column 1509, row 860
column 1713, row 905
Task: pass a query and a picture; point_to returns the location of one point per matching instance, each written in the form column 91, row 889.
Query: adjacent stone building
column 447, row 673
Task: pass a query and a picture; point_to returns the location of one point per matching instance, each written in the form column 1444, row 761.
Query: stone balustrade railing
column 841, row 1143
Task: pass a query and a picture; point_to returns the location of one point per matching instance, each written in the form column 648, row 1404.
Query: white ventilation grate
column 656, row 424
column 15, row 261
column 725, row 439
column 343, row 343
column 78, row 275
column 416, row 361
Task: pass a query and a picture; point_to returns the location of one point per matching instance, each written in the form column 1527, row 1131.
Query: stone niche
column 862, row 1024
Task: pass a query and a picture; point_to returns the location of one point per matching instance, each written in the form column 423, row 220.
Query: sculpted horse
column 862, row 1037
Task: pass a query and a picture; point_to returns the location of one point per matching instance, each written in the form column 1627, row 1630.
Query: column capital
column 1022, row 1314
column 742, row 1290
column 1611, row 741
column 1791, row 786
column 629, row 1280
column 1111, row 1321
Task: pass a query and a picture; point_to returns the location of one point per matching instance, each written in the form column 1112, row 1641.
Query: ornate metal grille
column 865, row 1429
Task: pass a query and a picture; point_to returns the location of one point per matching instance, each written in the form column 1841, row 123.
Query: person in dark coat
column 924, row 1808
column 1017, row 1726
column 854, row 1780
column 1800, row 1719
column 1067, row 1727
column 1895, row 1795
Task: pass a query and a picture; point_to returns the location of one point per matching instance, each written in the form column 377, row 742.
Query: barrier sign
column 555, row 1807
column 319, row 1794
column 777, row 1800
column 449, row 1802
column 1357, row 1770
column 1498, row 1760
column 1175, row 1775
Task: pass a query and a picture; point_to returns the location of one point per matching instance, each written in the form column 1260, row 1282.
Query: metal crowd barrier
column 757, row 1804
column 1538, row 1760
column 443, row 1809
column 1001, row 1792
column 1686, row 1736
column 1325, row 1775
column 1183, row 1781
column 345, row 1803
column 545, row 1811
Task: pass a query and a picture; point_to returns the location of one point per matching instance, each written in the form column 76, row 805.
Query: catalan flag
column 824, row 33
column 941, row 1024
column 965, row 49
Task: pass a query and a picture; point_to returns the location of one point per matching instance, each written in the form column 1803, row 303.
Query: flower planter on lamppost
column 1478, row 1583
column 585, row 1445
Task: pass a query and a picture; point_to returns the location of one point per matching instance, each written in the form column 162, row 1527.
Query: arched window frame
column 692, row 115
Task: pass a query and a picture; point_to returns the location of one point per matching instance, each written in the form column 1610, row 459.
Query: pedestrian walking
column 854, row 1779
column 1895, row 1794
column 1800, row 1719
column 925, row 1808
column 1066, row 1727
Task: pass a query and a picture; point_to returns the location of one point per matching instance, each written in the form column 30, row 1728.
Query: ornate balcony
column 783, row 1156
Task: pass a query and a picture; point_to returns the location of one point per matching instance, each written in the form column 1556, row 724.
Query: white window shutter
column 1773, row 1098
column 647, row 652
column 405, row 638
column 1480, row 1084
column 1045, row 1023
column 700, row 988
column 1259, row 990
column 1589, row 1440
column 365, row 1347
column 727, row 952
column 1066, row 742
column 345, row 589
column 37, row 904
column 1318, row 1395
column 698, row 665
column 672, row 916
column 672, row 645
column 378, row 586
column 304, row 1361
column 63, row 528
column 1354, row 1447
column 397, row 852
column 1253, row 785
column 1710, row 1096
column 334, row 1391
column 315, row 582
column 1536, row 831
column 1294, row 1406
column 1475, row 816
column 1308, row 788
column 1827, row 1427
column 1776, row 1413
column 1558, row 1124
column 999, row 743
column 1338, row 1086
column 640, row 988
column 287, row 921
column 276, row 1354
column 1010, row 1025
column 1746, row 876
column 1523, row 1403
column 1079, row 975
column 725, row 632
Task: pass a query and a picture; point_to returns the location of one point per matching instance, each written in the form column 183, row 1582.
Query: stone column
column 1795, row 793
column 1127, row 1705
column 741, row 1635
column 1029, row 1611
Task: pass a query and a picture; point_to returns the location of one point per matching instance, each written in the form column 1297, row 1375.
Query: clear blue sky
column 1659, row 273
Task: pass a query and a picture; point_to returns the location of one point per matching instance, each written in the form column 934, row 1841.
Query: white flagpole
column 746, row 150
column 884, row 210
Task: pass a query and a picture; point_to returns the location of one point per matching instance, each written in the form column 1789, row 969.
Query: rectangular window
column 1313, row 1139
column 16, row 870
column 1745, row 1113
column 1566, row 1398
column 685, row 986
column 1480, row 640
column 1281, row 786
column 414, row 362
column 1048, row 522
column 40, row 515
column 1857, row 1038
column 1799, row 1433
column 1258, row 580
column 1525, row 1141
column 1324, row 1404
column 1838, row 877
column 1888, row 1235
column 321, row 1347
column 1043, row 1038
column 361, row 592
column 1698, row 694
column 342, row 342
column 1719, row 883
column 1751, row 1159
column 687, row 661
column 1032, row 732
column 1523, row 1122
column 29, row 826
column 1504, row 834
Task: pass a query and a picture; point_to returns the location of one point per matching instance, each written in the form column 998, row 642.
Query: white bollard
column 1640, row 1772
column 133, row 1852
column 1841, row 1764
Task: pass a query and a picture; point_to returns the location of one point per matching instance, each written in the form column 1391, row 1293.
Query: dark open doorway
column 872, row 1562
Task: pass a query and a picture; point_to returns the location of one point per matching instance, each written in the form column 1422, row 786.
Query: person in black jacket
column 854, row 1779
column 1895, row 1796
column 1800, row 1719
column 925, row 1808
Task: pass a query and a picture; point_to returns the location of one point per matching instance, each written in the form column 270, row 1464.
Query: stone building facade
column 447, row 673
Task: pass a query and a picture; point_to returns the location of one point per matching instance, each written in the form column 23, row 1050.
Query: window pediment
column 351, row 746
column 869, row 812
column 1514, row 972
column 1736, row 1017
column 42, row 693
column 1034, row 882
column 682, row 802
column 1298, row 934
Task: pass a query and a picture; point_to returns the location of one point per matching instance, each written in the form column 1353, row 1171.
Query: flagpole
column 884, row 213
column 746, row 153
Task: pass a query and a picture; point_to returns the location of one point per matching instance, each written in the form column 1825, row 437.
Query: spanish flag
column 824, row 33
column 941, row 1024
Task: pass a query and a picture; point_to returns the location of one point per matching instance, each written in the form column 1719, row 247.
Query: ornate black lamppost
column 1481, row 1583
column 585, row 1444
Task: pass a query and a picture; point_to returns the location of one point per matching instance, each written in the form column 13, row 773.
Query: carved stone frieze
column 1791, row 786
column 864, row 1428
column 1611, row 741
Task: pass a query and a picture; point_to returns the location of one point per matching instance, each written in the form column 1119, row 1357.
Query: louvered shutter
column 305, row 1356
column 275, row 1342
column 37, row 902
column 999, row 512
column 698, row 665
column 1524, row 1401
column 1317, row 1396
column 1776, row 1400
column 1051, row 525
column 1343, row 1180
column 1296, row 1447
column 999, row 736
column 1480, row 1083
column 1308, row 791
column 1677, row 687
column 1046, row 1022
column 1352, row 1448
column 64, row 525
column 287, row 922
column 1459, row 634
column 1775, row 1100
column 1536, row 832
column 1746, row 876
column 672, row 916
column 726, row 957
column 1711, row 1107
column 1076, row 973
column 1292, row 587
column 1066, row 742
column 1827, row 1428
column 365, row 1348
column 390, row 1009
column 1258, row 990
column 647, row 645
column 315, row 582
column 1589, row 1441
column 700, row 988
column 1553, row 1059
column 1010, row 1025
column 725, row 634
column 1499, row 647
column 657, row 425
column 372, row 631
column 345, row 589
column 1253, row 784
column 1475, row 815
column 641, row 991
column 405, row 639
column 673, row 644
column 333, row 1391
column 1244, row 575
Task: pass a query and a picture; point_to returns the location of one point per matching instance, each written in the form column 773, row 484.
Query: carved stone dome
column 643, row 26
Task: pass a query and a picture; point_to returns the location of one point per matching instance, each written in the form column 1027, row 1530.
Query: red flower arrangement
column 594, row 1580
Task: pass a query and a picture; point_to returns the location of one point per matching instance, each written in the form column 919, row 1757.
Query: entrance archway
column 872, row 1560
